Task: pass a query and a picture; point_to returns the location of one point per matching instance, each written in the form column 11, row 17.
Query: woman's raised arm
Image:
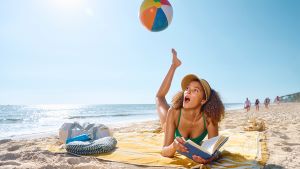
column 161, row 102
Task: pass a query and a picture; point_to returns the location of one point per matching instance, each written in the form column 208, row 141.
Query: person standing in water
column 194, row 114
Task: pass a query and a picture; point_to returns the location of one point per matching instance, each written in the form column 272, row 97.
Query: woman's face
column 194, row 95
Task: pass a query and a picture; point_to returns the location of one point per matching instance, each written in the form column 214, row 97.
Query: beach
column 282, row 130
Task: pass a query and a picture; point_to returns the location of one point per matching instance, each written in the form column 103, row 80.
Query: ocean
column 17, row 121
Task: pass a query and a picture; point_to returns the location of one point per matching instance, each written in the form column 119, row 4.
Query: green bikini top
column 197, row 139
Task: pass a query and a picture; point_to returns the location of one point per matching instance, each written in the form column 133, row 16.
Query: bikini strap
column 179, row 119
column 204, row 120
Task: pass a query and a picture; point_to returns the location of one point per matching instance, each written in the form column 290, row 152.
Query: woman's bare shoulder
column 173, row 113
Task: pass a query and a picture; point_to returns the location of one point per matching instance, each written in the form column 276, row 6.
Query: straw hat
column 191, row 77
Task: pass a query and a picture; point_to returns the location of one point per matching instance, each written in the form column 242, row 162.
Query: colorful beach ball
column 156, row 15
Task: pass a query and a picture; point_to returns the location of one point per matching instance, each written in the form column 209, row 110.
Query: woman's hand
column 179, row 144
column 201, row 160
column 176, row 62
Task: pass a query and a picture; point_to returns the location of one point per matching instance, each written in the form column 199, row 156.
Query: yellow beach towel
column 242, row 150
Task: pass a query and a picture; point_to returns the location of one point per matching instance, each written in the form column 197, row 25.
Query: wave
column 11, row 120
column 106, row 115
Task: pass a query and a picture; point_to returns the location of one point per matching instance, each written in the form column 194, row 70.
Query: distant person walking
column 277, row 100
column 247, row 104
column 267, row 102
column 257, row 104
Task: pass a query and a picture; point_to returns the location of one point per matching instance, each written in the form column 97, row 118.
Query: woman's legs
column 161, row 102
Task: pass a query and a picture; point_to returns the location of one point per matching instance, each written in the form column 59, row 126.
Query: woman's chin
column 186, row 106
column 189, row 105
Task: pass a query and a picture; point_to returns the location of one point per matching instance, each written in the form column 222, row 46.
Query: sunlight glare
column 69, row 4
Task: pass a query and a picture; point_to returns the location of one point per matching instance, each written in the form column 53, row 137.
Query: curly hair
column 213, row 108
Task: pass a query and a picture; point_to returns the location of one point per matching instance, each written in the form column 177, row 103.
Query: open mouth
column 186, row 99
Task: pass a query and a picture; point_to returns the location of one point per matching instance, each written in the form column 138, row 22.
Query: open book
column 207, row 149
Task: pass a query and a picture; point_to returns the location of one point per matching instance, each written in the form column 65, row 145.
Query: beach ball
column 156, row 15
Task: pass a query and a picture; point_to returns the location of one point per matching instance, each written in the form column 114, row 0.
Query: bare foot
column 176, row 62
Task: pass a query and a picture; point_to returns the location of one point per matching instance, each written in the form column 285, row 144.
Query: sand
column 282, row 130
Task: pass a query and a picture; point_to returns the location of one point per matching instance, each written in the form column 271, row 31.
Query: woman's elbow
column 167, row 153
column 164, row 154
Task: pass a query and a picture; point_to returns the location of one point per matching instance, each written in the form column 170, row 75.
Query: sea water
column 26, row 120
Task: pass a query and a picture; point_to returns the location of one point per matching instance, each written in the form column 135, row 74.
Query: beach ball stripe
column 148, row 17
column 168, row 11
column 148, row 4
column 160, row 21
column 165, row 2
column 156, row 15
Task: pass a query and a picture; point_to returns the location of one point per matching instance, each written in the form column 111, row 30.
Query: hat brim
column 187, row 80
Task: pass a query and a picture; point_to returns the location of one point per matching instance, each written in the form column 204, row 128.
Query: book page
column 220, row 143
column 197, row 146
column 210, row 144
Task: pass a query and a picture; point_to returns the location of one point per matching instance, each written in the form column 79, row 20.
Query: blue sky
column 97, row 52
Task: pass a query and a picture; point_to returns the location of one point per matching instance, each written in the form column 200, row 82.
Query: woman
column 195, row 112
column 247, row 104
column 267, row 102
column 257, row 104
